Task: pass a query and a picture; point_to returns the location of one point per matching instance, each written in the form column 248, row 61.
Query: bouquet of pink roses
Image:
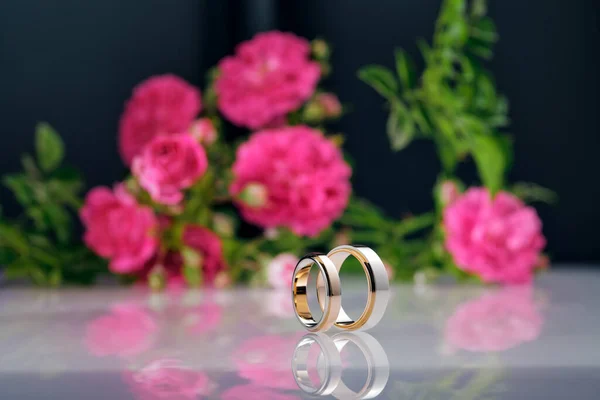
column 172, row 221
column 184, row 214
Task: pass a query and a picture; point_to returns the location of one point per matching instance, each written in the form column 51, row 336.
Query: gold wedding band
column 377, row 282
column 331, row 290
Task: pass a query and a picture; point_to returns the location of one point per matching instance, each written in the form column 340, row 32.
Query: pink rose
column 305, row 176
column 118, row 228
column 498, row 239
column 162, row 104
column 209, row 245
column 169, row 164
column 268, row 77
column 204, row 131
column 280, row 270
column 253, row 392
column 168, row 379
column 128, row 330
column 495, row 321
column 265, row 361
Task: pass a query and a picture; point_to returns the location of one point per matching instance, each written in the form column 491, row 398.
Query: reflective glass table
column 435, row 341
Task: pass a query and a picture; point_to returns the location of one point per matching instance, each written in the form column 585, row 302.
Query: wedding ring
column 331, row 290
column 330, row 375
column 377, row 282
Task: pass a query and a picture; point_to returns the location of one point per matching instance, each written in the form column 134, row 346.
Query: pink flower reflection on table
column 254, row 392
column 168, row 379
column 495, row 322
column 203, row 318
column 127, row 331
column 265, row 361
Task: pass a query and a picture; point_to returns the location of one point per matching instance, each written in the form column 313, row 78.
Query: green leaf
column 414, row 224
column 68, row 174
column 29, row 166
column 49, row 147
column 361, row 213
column 485, row 92
column 531, row 192
column 7, row 256
column 454, row 7
column 36, row 214
column 424, row 48
column 381, row 79
column 447, row 143
column 420, row 117
column 467, row 69
column 19, row 185
column 41, row 241
column 480, row 48
column 479, row 8
column 13, row 237
column 17, row 269
column 485, row 30
column 59, row 220
column 37, row 275
column 55, row 277
column 405, row 69
column 500, row 117
column 454, row 34
column 447, row 153
column 489, row 157
column 65, row 192
column 506, row 144
column 400, row 127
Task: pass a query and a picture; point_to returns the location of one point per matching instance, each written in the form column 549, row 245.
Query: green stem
column 414, row 224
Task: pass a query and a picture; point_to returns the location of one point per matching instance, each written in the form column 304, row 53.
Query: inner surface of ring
column 300, row 290
column 338, row 259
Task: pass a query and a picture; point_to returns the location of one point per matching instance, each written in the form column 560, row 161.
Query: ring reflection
column 326, row 368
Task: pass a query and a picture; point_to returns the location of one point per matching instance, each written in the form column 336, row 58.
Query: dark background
column 73, row 63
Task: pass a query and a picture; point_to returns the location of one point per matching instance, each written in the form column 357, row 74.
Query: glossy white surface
column 441, row 342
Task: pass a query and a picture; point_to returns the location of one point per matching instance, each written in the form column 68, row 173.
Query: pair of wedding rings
column 329, row 290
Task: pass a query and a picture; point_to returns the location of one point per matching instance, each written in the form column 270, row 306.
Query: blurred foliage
column 453, row 101
column 40, row 244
